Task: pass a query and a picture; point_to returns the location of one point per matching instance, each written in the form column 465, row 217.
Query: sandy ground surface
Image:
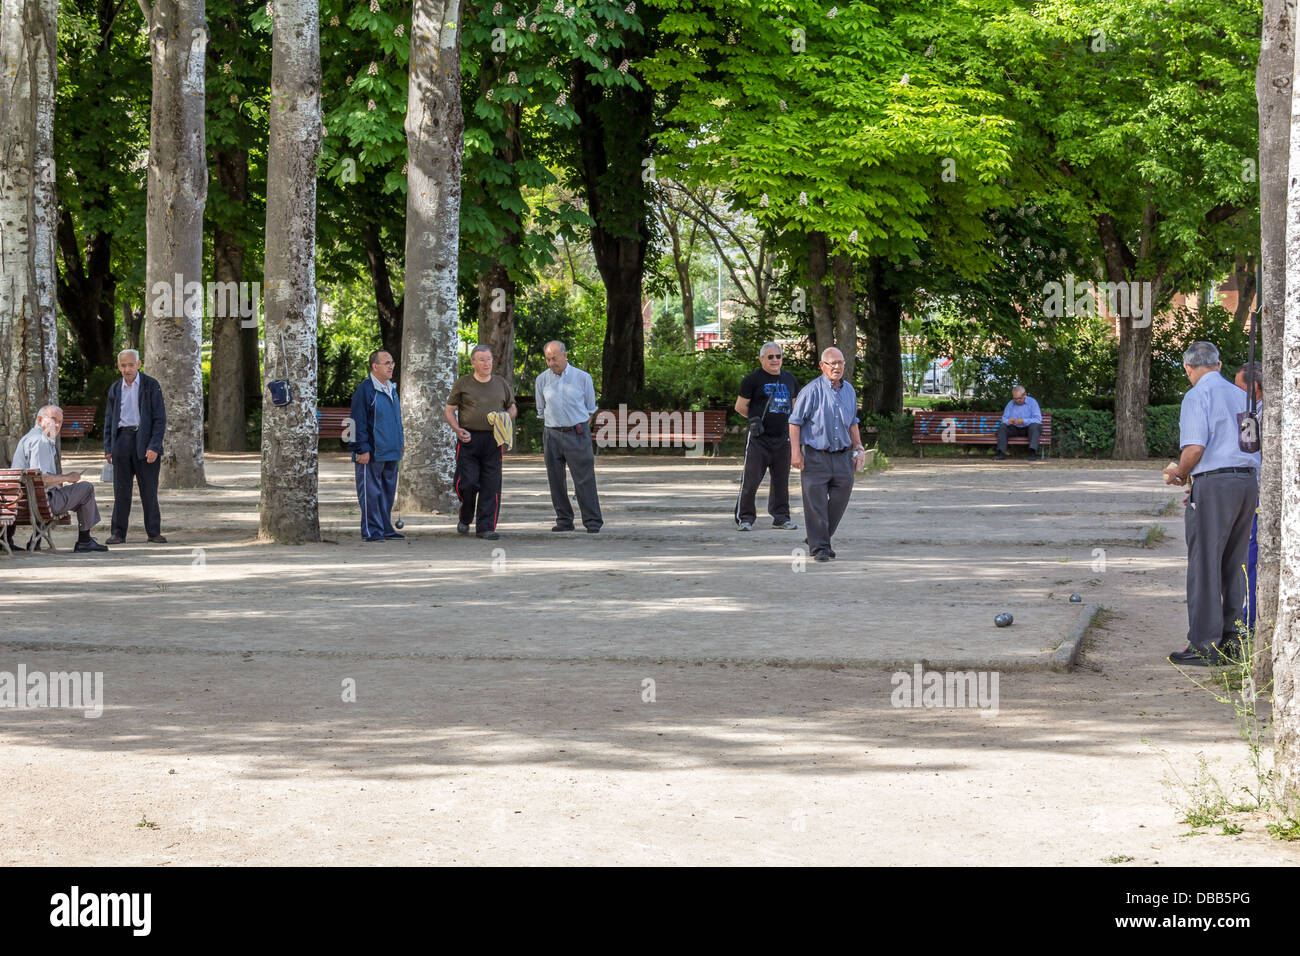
column 669, row 691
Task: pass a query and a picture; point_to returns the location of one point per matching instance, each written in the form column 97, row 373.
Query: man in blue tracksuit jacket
column 377, row 445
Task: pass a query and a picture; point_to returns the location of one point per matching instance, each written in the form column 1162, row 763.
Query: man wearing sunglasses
column 826, row 446
column 765, row 398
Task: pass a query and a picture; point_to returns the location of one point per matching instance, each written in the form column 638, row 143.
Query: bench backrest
column 330, row 421
column 78, row 420
column 13, row 495
column 930, row 426
column 15, row 485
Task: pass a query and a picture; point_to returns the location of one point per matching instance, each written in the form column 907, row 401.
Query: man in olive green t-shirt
column 478, row 456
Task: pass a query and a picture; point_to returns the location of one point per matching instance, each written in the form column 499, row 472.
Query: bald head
column 833, row 365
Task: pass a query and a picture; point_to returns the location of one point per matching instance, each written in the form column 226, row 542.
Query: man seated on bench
column 36, row 450
column 1022, row 418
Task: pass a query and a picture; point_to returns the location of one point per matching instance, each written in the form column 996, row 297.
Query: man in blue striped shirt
column 1022, row 418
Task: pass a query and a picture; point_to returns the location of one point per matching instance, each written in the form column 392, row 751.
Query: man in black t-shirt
column 765, row 398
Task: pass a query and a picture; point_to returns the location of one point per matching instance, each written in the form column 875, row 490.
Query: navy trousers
column 376, row 488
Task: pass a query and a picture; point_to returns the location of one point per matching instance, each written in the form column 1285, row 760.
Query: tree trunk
column 88, row 292
column 1286, row 633
column 1273, row 92
column 496, row 318
column 29, row 374
column 1243, row 271
column 818, row 298
column 227, row 416
column 178, row 189
column 846, row 319
column 290, row 465
column 496, row 290
column 1133, row 374
column 885, row 302
column 388, row 310
column 614, row 138
column 435, row 129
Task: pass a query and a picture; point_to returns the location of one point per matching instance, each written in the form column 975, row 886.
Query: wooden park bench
column 967, row 428
column 331, row 421
column 78, row 420
column 672, row 429
column 22, row 496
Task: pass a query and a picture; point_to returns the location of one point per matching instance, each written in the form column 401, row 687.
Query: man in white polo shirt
column 1220, row 508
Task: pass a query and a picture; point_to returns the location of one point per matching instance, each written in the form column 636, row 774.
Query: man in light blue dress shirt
column 826, row 447
column 1220, row 508
column 566, row 400
column 1022, row 418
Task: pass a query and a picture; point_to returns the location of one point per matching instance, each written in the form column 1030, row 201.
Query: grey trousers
column 826, row 482
column 574, row 449
column 1217, row 527
column 79, row 497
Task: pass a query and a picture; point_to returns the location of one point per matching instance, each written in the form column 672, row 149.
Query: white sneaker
column 746, row 526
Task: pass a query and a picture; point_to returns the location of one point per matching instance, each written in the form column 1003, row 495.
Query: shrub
column 1162, row 431
column 693, row 381
column 1082, row 432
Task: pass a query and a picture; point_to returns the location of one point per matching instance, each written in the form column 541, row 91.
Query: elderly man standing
column 765, row 397
column 377, row 446
column 479, row 455
column 566, row 400
column 1220, row 508
column 826, row 447
column 1022, row 418
column 36, row 450
column 134, row 424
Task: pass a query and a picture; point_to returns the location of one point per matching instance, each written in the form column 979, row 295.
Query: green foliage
column 893, row 432
column 693, row 381
column 549, row 312
column 345, row 338
column 1179, row 329
column 1066, row 361
column 667, row 334
column 1162, row 431
column 1082, row 432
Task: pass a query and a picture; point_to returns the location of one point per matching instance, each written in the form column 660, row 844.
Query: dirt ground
column 669, row 691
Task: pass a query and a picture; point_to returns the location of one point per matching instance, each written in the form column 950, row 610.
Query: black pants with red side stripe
column 478, row 479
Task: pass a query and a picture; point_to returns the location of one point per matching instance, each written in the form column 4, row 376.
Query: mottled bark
column 1286, row 633
column 227, row 416
column 290, row 465
column 1273, row 89
column 435, row 129
column 178, row 189
column 29, row 375
column 1133, row 372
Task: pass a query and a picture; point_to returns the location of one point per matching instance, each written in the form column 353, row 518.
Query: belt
column 1225, row 471
column 830, row 451
column 128, row 428
column 562, row 428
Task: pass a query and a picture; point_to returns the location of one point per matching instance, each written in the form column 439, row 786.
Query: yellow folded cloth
column 503, row 428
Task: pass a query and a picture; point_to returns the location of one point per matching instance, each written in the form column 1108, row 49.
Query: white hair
column 563, row 350
column 46, row 411
column 131, row 352
column 767, row 345
column 1201, row 355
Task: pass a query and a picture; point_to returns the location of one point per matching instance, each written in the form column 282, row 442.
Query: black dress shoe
column 157, row 539
column 822, row 556
column 1194, row 657
column 462, row 527
column 595, row 530
column 488, row 535
column 397, row 535
column 115, row 539
column 562, row 528
column 999, row 457
column 90, row 544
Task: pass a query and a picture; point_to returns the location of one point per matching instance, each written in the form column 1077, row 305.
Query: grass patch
column 1117, row 859
column 146, row 824
column 1172, row 508
column 1287, row 829
column 1154, row 537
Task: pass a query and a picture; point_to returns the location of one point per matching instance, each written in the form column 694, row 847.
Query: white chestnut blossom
column 496, row 10
column 763, row 201
column 374, row 6
column 334, row 21
column 561, row 99
column 521, row 24
column 591, row 39
column 803, row 199
column 513, row 77
column 623, row 67
column 373, row 68
column 370, row 104
column 399, row 30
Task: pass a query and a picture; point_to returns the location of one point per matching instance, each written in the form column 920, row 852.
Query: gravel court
column 518, row 730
